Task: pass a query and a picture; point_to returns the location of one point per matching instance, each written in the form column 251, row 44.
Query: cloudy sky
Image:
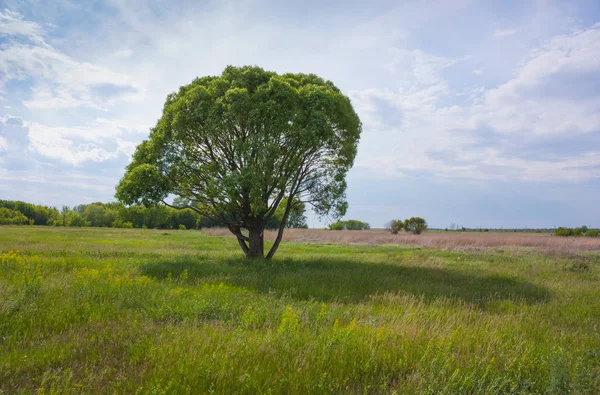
column 482, row 113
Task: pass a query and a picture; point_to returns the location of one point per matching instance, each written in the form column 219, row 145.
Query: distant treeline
column 117, row 215
column 581, row 231
column 561, row 231
column 526, row 230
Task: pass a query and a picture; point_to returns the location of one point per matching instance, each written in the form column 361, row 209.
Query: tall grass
column 444, row 240
column 126, row 311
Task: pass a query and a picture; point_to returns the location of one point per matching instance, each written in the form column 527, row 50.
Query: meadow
column 98, row 310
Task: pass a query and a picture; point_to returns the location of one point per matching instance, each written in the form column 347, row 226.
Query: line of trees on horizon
column 118, row 215
column 581, row 231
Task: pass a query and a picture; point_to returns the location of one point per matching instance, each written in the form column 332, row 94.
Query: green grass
column 126, row 311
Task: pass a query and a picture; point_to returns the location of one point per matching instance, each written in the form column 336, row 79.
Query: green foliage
column 581, row 231
column 351, row 224
column 561, row 231
column 415, row 225
column 40, row 215
column 241, row 142
column 396, row 226
column 75, row 219
column 296, row 218
column 339, row 225
column 13, row 217
column 117, row 215
column 182, row 227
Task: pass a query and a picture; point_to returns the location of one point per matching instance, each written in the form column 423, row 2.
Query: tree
column 396, row 226
column 238, row 144
column 416, row 225
column 354, row 224
column 339, row 225
column 351, row 224
column 13, row 217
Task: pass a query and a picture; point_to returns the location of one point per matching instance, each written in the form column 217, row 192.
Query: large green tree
column 240, row 144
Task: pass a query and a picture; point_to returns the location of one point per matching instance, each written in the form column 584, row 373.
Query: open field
column 439, row 239
column 96, row 310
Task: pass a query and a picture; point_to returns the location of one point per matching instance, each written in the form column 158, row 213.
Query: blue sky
column 482, row 113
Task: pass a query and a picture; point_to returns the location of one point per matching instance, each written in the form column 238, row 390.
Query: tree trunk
column 281, row 228
column 256, row 248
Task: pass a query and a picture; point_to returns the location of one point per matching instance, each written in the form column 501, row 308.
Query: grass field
column 145, row 311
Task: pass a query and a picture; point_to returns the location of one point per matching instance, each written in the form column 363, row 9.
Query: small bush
column 592, row 233
column 396, row 226
column 339, row 225
column 182, row 227
column 561, row 231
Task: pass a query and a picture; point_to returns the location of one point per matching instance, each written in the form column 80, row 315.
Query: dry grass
column 443, row 240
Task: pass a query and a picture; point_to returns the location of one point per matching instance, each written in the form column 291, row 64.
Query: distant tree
column 351, row 224
column 592, row 233
column 354, row 224
column 339, row 225
column 75, row 219
column 242, row 142
column 13, row 217
column 562, row 231
column 396, row 226
column 415, row 225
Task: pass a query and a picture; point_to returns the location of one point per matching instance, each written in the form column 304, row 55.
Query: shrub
column 354, row 224
column 562, row 231
column 351, row 224
column 415, row 225
column 182, row 227
column 13, row 217
column 74, row 219
column 339, row 225
column 578, row 231
column 592, row 233
column 396, row 226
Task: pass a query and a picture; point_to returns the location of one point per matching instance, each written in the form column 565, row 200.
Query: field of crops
column 96, row 310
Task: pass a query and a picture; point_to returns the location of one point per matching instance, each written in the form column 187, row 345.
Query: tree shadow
column 350, row 281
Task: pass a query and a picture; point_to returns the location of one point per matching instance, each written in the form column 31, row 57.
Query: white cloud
column 511, row 107
column 98, row 141
column 425, row 123
column 59, row 143
column 58, row 80
column 12, row 24
column 408, row 104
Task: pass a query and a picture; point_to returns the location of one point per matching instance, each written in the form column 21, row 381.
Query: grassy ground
column 126, row 311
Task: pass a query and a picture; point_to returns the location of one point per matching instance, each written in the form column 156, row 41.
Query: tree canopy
column 351, row 224
column 415, row 225
column 239, row 144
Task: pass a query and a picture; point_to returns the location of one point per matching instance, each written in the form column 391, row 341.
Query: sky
column 481, row 113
